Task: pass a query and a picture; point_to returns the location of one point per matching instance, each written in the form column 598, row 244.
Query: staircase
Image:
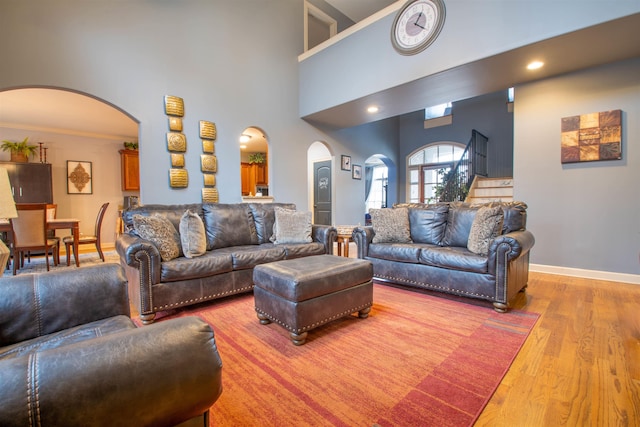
column 484, row 190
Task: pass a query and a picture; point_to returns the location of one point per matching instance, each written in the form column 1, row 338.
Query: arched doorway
column 320, row 167
column 73, row 126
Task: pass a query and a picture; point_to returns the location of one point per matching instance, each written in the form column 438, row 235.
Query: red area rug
column 417, row 360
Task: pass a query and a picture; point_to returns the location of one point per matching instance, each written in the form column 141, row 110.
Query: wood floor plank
column 580, row 364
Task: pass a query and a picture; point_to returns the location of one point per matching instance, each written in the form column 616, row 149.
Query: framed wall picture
column 79, row 177
column 345, row 165
column 356, row 173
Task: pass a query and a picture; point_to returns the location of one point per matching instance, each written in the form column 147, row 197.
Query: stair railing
column 457, row 181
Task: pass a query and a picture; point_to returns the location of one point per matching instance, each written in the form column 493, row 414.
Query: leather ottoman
column 303, row 293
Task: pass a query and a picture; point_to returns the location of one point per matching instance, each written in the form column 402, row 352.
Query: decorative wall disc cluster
column 208, row 161
column 176, row 141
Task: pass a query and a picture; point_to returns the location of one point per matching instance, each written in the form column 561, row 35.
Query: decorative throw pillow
column 159, row 231
column 391, row 225
column 192, row 235
column 486, row 226
column 291, row 226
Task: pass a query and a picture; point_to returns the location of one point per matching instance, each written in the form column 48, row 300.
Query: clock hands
column 418, row 20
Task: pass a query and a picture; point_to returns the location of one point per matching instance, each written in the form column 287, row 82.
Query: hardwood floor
column 581, row 364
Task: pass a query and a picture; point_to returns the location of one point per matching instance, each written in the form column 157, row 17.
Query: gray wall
column 487, row 114
column 133, row 53
column 583, row 215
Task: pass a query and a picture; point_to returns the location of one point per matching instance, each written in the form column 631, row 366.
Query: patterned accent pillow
column 391, row 225
column 291, row 226
column 159, row 231
column 192, row 235
column 486, row 226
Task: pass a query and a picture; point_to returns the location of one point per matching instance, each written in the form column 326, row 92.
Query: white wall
column 585, row 215
column 105, row 163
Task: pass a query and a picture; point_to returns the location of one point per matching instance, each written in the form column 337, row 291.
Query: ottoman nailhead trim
column 316, row 324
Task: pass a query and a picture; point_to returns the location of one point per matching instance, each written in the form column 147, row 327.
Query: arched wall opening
column 73, row 126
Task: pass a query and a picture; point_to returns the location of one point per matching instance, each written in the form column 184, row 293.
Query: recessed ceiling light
column 535, row 65
column 373, row 109
column 242, row 147
column 245, row 138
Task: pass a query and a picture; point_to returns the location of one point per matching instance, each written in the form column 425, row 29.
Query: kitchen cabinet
column 262, row 177
column 130, row 167
column 253, row 174
column 30, row 182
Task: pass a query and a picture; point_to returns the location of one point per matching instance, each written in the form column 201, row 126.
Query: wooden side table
column 345, row 233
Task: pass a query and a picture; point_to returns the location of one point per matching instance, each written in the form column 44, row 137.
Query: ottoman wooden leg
column 364, row 313
column 264, row 320
column 298, row 339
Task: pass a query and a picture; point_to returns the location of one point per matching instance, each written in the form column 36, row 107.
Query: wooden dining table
column 72, row 224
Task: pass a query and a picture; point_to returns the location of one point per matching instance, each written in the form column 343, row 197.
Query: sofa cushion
column 229, row 225
column 459, row 222
column 486, row 226
column 192, row 235
column 264, row 216
column 207, row 265
column 391, row 225
column 159, row 231
column 299, row 250
column 454, row 258
column 428, row 224
column 401, row 252
column 291, row 227
column 248, row 256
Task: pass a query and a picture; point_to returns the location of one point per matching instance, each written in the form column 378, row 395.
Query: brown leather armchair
column 70, row 355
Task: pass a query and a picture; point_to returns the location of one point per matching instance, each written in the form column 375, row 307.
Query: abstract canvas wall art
column 592, row 137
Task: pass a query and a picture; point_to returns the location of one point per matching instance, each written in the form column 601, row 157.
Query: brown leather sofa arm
column 324, row 234
column 158, row 375
column 363, row 236
column 33, row 305
column 508, row 247
column 140, row 254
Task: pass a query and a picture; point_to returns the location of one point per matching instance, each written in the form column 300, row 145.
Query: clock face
column 417, row 25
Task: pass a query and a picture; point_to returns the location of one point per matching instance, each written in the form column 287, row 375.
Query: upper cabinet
column 130, row 166
column 30, row 182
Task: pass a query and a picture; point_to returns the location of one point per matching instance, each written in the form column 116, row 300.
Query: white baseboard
column 587, row 274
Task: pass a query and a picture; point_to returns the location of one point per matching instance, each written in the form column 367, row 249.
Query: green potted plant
column 257, row 158
column 129, row 145
column 20, row 151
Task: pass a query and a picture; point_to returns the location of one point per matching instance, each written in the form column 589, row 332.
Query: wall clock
column 416, row 25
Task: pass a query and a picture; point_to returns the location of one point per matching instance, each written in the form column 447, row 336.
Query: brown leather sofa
column 71, row 356
column 238, row 238
column 438, row 259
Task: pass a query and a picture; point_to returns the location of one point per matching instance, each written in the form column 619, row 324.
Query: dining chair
column 86, row 239
column 29, row 233
column 52, row 212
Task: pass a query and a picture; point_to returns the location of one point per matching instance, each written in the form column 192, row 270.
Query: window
column 377, row 196
column 426, row 167
column 437, row 111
